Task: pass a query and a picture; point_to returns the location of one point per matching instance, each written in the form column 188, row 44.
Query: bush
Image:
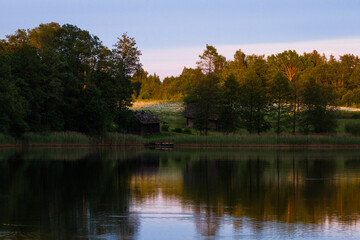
column 187, row 131
column 165, row 128
column 177, row 130
column 353, row 128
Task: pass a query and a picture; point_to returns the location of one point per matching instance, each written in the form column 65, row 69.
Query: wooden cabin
column 190, row 113
column 147, row 123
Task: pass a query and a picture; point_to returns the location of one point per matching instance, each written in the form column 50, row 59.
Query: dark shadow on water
column 90, row 193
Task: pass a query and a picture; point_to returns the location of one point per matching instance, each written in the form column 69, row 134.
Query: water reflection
column 133, row 194
column 63, row 199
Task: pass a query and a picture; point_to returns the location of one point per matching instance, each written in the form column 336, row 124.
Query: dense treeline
column 61, row 78
column 341, row 75
column 287, row 91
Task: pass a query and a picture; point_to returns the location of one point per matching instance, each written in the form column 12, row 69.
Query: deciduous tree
column 290, row 65
column 279, row 93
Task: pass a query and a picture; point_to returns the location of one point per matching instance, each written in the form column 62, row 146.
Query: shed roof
column 147, row 117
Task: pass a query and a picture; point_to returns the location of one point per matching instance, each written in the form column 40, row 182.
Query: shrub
column 187, row 131
column 353, row 128
column 165, row 128
column 178, row 130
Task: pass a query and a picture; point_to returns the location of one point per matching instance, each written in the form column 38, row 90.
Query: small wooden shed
column 190, row 113
column 147, row 123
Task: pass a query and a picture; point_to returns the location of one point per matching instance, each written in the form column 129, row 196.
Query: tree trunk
column 258, row 121
column 251, row 117
column 278, row 118
column 207, row 119
column 294, row 119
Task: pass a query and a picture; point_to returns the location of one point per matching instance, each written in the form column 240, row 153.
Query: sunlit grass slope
column 170, row 112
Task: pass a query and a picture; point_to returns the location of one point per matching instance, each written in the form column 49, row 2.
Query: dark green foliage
column 127, row 55
column 253, row 104
column 125, row 121
column 61, row 78
column 290, row 64
column 315, row 115
column 210, row 61
column 204, row 98
column 178, row 130
column 279, row 92
column 164, row 127
column 351, row 98
column 176, row 88
column 353, row 128
column 187, row 131
column 229, row 112
column 256, row 91
column 93, row 117
column 149, row 87
column 13, row 106
column 138, row 78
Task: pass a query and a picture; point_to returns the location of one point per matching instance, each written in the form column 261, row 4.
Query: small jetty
column 160, row 145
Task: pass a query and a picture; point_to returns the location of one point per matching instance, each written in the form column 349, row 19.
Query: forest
column 62, row 78
column 286, row 91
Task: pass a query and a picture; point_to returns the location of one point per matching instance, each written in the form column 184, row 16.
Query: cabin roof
column 147, row 117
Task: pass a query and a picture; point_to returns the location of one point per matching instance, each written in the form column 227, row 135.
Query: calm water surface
column 212, row 194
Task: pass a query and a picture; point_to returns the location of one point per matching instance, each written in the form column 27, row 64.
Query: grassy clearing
column 170, row 112
column 145, row 104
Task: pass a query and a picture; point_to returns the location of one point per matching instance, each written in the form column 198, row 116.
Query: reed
column 56, row 138
column 5, row 139
column 68, row 138
column 336, row 139
column 118, row 139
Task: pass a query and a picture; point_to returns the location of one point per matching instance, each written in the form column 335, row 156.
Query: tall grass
column 79, row 138
column 74, row 138
column 353, row 128
column 119, row 138
column 260, row 139
column 56, row 138
column 5, row 139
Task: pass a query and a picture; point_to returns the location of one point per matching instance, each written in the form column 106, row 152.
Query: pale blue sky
column 190, row 24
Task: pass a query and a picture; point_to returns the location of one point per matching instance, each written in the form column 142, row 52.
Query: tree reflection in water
column 98, row 193
column 285, row 189
column 65, row 199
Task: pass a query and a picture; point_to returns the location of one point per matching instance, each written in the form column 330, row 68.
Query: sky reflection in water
column 133, row 194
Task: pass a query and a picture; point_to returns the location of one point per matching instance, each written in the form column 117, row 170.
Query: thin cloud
column 170, row 62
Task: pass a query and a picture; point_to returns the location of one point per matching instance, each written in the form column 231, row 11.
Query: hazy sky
column 172, row 33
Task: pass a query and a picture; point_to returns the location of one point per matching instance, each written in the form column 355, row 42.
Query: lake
column 181, row 194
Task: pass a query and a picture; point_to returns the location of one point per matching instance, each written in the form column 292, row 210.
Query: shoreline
column 192, row 146
column 69, row 145
column 182, row 141
column 269, row 146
